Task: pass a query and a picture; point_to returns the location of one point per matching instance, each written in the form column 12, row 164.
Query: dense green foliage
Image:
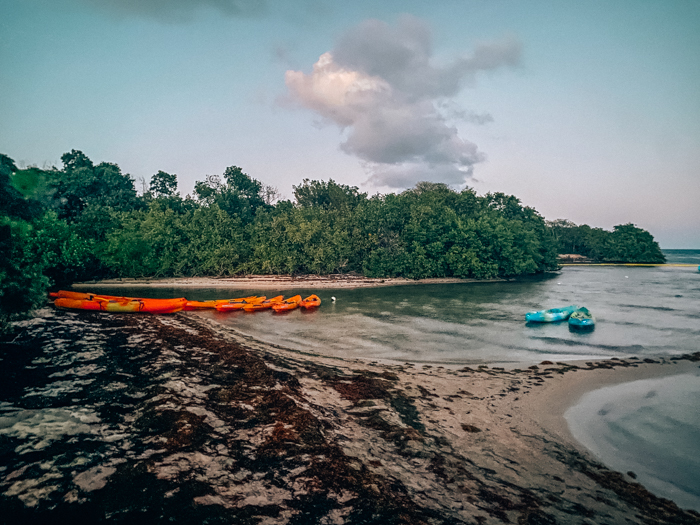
column 625, row 244
column 22, row 283
column 86, row 221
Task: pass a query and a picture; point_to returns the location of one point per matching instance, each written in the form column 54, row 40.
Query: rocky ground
column 169, row 419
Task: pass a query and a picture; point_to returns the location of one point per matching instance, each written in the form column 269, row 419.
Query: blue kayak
column 550, row 316
column 582, row 318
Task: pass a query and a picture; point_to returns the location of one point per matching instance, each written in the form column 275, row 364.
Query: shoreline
column 567, row 390
column 266, row 282
column 402, row 441
column 283, row 282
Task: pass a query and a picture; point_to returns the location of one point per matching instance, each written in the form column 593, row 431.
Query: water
column 682, row 257
column 650, row 427
column 640, row 311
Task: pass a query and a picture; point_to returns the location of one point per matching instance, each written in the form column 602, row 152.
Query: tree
column 625, row 244
column 239, row 196
column 75, row 160
column 327, row 195
column 65, row 255
column 206, row 191
column 634, row 245
column 12, row 200
column 22, row 285
column 163, row 185
column 242, row 183
column 270, row 195
column 81, row 183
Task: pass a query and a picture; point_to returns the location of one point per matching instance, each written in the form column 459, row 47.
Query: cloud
column 381, row 86
column 177, row 10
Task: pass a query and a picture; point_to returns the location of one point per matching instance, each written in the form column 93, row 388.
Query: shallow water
column 640, row 311
column 650, row 427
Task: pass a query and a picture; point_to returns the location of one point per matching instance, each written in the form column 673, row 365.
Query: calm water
column 640, row 311
column 650, row 427
column 682, row 257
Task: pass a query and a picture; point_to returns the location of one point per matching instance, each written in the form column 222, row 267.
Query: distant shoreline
column 267, row 282
column 272, row 282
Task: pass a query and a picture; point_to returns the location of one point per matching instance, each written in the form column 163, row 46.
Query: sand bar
column 267, row 282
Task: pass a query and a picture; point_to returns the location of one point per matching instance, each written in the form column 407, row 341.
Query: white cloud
column 380, row 85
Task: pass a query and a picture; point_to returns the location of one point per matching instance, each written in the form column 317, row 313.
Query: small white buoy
column 333, row 299
column 627, row 276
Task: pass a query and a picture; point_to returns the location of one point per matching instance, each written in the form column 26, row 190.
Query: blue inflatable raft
column 581, row 319
column 550, row 316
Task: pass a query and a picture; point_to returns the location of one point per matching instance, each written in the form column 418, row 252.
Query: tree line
column 624, row 244
column 86, row 221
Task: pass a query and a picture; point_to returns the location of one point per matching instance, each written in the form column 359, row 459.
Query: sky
column 587, row 111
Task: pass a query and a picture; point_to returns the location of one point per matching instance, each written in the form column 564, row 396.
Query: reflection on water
column 650, row 427
column 640, row 311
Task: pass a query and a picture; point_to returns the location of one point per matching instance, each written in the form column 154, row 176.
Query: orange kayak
column 200, row 305
column 312, row 301
column 71, row 295
column 81, row 296
column 287, row 304
column 263, row 305
column 123, row 304
column 238, row 304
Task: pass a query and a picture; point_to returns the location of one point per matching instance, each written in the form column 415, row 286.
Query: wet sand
column 302, row 438
column 267, row 282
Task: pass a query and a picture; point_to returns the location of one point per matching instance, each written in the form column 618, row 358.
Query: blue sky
column 586, row 110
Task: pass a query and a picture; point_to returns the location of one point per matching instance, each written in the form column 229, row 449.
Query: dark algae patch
column 163, row 419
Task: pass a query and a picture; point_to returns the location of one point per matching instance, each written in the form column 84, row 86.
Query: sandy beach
column 266, row 282
column 269, row 435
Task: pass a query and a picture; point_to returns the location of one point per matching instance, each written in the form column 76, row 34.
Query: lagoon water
column 640, row 311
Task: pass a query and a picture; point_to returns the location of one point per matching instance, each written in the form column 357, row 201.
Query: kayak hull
column 123, row 305
column 263, row 305
column 287, row 304
column 211, row 305
column 312, row 301
column 550, row 316
column 582, row 319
